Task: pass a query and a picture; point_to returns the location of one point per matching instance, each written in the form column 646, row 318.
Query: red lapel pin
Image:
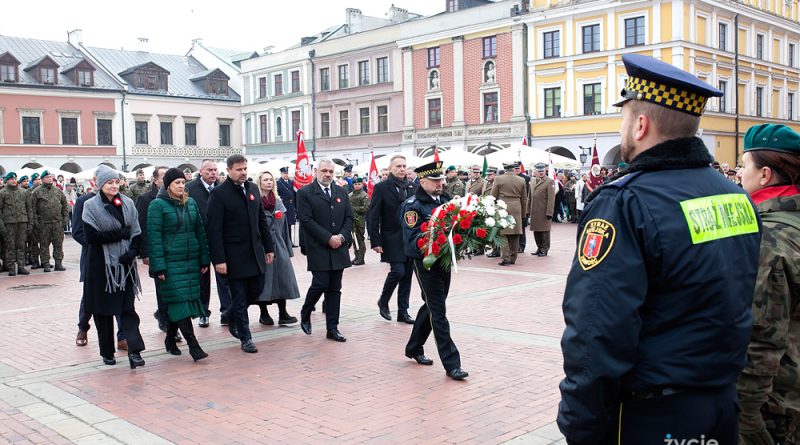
column 252, row 198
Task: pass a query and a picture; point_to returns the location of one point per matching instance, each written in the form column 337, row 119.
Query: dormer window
column 47, row 75
column 80, row 73
column 45, row 70
column 9, row 68
column 217, row 86
column 85, row 78
column 213, row 82
column 148, row 76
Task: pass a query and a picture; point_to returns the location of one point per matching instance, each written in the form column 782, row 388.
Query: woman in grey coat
column 280, row 283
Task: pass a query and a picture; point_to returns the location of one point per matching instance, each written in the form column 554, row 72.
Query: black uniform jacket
column 414, row 212
column 384, row 219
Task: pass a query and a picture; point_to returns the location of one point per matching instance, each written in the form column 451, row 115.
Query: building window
column 295, row 123
column 344, row 123
column 363, row 72
column 85, row 78
column 31, row 132
column 790, row 106
column 552, row 102
column 141, row 132
column 324, row 79
column 262, row 87
column 723, row 36
column 190, row 134
column 591, row 38
column 166, row 133
column 434, row 112
column 760, row 46
column 217, row 86
column 383, row 118
column 325, row 125
column 552, row 44
column 104, row 132
column 47, row 75
column 279, row 85
column 490, row 108
column 224, row 135
column 489, row 47
column 790, row 62
column 278, row 127
column 262, row 128
column 723, row 104
column 759, row 101
column 433, row 57
column 452, row 5
column 344, row 77
column 69, row 130
column 592, row 99
column 8, row 73
column 363, row 116
column 295, row 81
column 383, row 69
column 634, row 31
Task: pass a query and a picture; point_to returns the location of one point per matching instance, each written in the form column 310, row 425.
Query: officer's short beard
column 627, row 147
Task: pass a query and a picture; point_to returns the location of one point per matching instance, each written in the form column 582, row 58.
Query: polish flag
column 372, row 178
column 302, row 173
column 435, row 154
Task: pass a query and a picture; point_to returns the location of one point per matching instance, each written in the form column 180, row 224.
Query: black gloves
column 128, row 257
column 125, row 232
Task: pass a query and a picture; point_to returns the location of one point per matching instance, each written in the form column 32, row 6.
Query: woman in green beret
column 768, row 386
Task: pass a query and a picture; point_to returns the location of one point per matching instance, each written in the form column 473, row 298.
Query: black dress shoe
column 493, row 255
column 306, row 327
column 457, row 374
column 287, row 320
column 266, row 320
column 536, row 253
column 249, row 347
column 405, row 318
column 135, row 360
column 233, row 330
column 224, row 321
column 421, row 359
column 542, row 253
column 384, row 311
column 203, row 323
column 335, row 335
column 505, row 263
column 109, row 361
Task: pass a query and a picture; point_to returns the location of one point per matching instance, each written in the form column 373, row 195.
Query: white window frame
column 106, row 116
column 388, row 117
column 729, row 97
column 621, row 27
column 339, row 121
column 388, row 68
column 579, row 34
column 580, row 84
column 540, row 35
column 276, row 129
column 793, row 53
column 283, row 84
column 764, row 51
column 368, row 61
column 483, row 91
column 68, row 114
column 728, row 42
column 763, row 100
column 541, row 102
column 299, row 81
column 23, row 112
column 320, row 112
column 436, row 95
column 349, row 77
column 794, row 105
column 371, row 111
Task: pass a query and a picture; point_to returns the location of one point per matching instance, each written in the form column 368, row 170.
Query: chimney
column 524, row 6
column 142, row 43
column 75, row 37
column 397, row 15
column 353, row 20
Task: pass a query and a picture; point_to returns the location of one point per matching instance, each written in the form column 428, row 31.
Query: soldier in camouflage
column 454, row 186
column 769, row 387
column 359, row 200
column 50, row 216
column 32, row 249
column 15, row 210
column 123, row 187
column 140, row 187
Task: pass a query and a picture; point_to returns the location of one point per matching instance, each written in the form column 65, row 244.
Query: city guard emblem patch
column 595, row 242
column 411, row 218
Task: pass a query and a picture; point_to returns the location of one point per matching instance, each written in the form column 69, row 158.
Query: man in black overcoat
column 386, row 237
column 326, row 225
column 240, row 244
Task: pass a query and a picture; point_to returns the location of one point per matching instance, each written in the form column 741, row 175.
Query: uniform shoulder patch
column 595, row 242
column 411, row 217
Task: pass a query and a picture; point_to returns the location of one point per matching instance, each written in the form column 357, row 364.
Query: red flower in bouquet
column 480, row 233
column 466, row 223
column 424, row 227
column 278, row 214
column 441, row 239
column 457, row 239
column 435, row 249
column 422, row 242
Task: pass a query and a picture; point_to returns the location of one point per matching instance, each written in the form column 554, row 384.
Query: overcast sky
column 172, row 24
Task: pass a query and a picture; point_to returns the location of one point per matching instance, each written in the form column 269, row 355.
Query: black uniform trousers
column 128, row 326
column 698, row 414
column 243, row 292
column 400, row 274
column 84, row 317
column 435, row 284
column 327, row 282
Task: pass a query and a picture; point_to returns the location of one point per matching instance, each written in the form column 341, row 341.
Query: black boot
column 135, row 360
column 265, row 319
column 195, row 350
column 283, row 317
column 169, row 341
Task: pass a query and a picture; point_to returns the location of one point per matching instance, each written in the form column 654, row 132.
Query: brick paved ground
column 506, row 322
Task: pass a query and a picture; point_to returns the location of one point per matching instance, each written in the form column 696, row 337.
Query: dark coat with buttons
column 320, row 218
column 384, row 219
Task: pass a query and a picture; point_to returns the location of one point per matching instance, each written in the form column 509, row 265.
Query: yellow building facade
column 575, row 72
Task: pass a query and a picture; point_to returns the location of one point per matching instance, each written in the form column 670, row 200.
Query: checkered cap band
column 667, row 96
column 435, row 171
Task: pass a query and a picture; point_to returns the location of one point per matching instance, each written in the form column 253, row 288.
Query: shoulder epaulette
column 621, row 182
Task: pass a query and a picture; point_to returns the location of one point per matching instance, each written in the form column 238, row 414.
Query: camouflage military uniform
column 138, row 188
column 454, row 187
column 32, row 249
column 15, row 208
column 126, row 191
column 50, row 215
column 359, row 200
column 769, row 387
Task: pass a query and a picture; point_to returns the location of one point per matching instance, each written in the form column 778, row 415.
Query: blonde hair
column 274, row 185
column 182, row 200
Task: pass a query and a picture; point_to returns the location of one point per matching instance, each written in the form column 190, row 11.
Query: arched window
column 278, row 127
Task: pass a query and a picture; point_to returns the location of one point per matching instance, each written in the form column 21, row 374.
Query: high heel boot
column 187, row 329
column 135, row 360
column 169, row 341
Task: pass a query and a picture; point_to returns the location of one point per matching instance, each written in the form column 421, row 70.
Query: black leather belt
column 649, row 394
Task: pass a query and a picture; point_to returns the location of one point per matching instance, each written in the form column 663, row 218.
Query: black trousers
column 711, row 413
column 243, row 292
column 128, row 325
column 330, row 284
column 223, row 292
column 432, row 316
column 84, row 317
column 400, row 274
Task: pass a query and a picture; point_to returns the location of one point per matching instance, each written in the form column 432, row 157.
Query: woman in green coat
column 178, row 250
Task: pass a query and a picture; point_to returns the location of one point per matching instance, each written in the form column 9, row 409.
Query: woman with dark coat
column 178, row 252
column 111, row 227
column 280, row 283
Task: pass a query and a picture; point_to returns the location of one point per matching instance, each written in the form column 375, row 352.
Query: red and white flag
column 525, row 140
column 372, row 178
column 553, row 173
column 302, row 172
column 594, row 171
column 435, row 154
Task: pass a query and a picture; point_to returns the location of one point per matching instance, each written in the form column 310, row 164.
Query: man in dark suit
column 240, row 244
column 326, row 225
column 200, row 189
column 386, row 237
column 288, row 195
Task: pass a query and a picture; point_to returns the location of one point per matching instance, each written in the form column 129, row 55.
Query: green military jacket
column 359, row 201
column 454, row 187
column 138, row 188
column 771, row 378
column 49, row 205
column 15, row 205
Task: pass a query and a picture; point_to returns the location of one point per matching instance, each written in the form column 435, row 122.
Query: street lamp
column 584, row 154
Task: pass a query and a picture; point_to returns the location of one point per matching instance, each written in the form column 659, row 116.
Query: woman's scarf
column 268, row 201
column 96, row 215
